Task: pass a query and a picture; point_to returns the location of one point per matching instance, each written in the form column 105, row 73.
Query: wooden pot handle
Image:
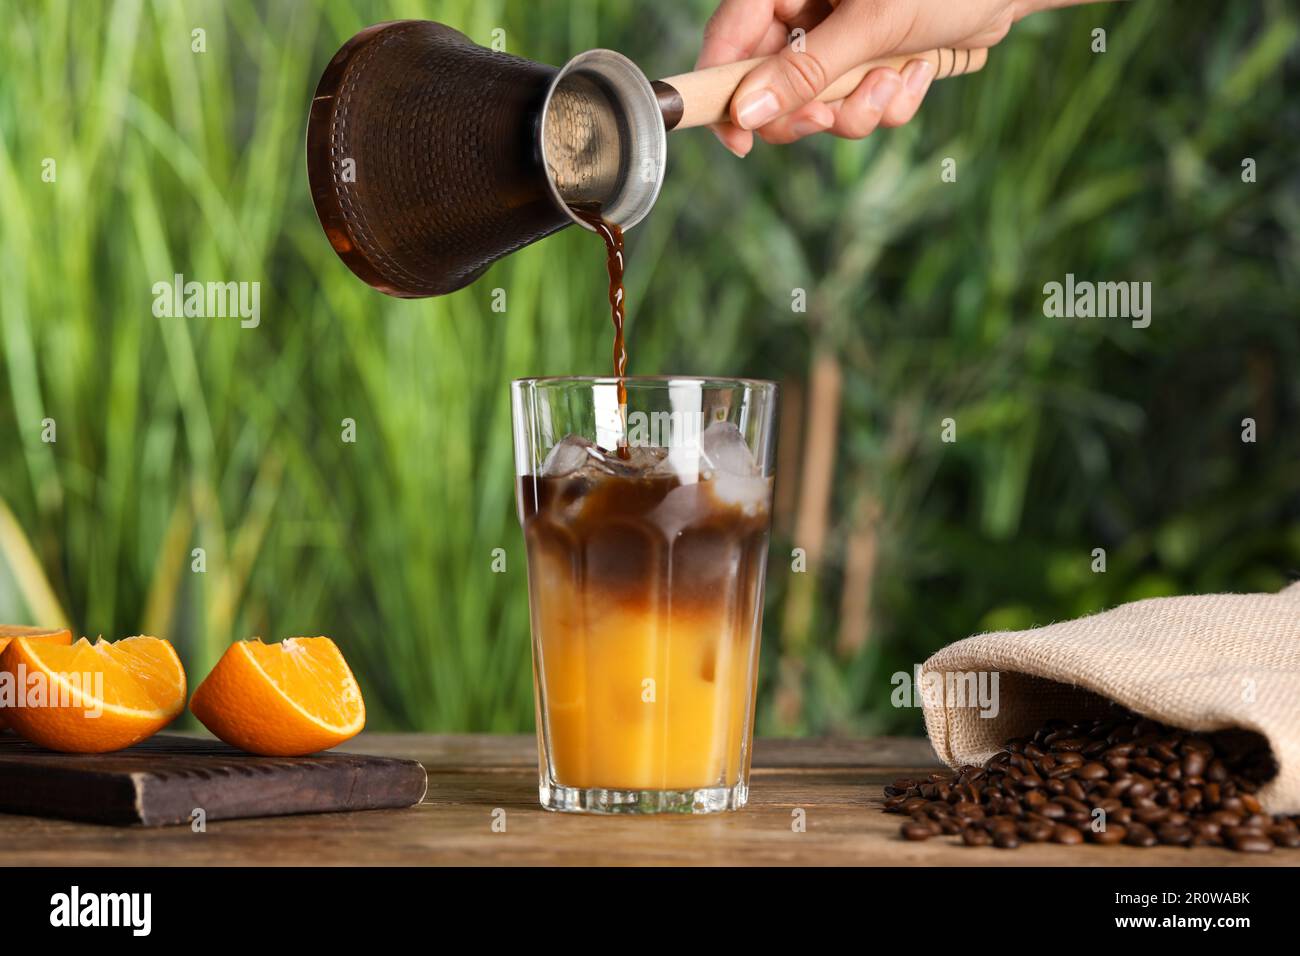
column 704, row 97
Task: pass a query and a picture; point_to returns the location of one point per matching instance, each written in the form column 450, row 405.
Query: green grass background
column 924, row 303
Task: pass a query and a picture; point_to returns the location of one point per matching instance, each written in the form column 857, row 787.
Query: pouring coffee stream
column 612, row 235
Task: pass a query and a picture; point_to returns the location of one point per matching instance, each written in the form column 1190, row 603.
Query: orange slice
column 93, row 698
column 281, row 700
column 9, row 631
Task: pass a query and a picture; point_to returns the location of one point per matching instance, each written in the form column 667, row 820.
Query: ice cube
column 574, row 456
column 641, row 461
column 752, row 494
column 567, row 457
column 724, row 451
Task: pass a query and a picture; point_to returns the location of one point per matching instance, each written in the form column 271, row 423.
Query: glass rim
column 633, row 380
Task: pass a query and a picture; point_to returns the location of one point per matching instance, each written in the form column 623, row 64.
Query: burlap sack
column 1201, row 663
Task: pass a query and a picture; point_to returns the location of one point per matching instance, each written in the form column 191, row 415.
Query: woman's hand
column 778, row 99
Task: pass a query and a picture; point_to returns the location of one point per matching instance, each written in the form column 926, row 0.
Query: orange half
column 93, row 698
column 281, row 700
column 9, row 631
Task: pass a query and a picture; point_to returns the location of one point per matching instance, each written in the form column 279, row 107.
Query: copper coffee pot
column 431, row 157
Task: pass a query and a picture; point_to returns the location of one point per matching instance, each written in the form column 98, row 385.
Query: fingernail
column 807, row 126
column 741, row 153
column 886, row 88
column 757, row 108
column 918, row 76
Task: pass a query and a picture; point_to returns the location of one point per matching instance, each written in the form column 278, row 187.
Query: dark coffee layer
column 648, row 539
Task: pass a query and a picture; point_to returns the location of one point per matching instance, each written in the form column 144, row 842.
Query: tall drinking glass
column 646, row 525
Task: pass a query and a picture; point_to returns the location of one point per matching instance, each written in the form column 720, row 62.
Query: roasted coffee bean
column 1106, row 804
column 1163, row 751
column 1237, row 833
column 1151, row 816
column 1073, row 805
column 1148, row 765
column 1067, row 835
column 1171, row 835
column 1052, row 810
column 1007, row 840
column 1139, row 787
column 1121, row 780
column 1284, row 837
column 1109, row 835
column 1139, row 835
column 1252, row 843
column 1035, row 831
column 1152, row 785
column 1142, row 804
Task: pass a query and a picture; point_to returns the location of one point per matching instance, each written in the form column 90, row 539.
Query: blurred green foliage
column 1072, row 434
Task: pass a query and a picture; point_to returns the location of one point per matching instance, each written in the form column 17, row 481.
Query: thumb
column 801, row 71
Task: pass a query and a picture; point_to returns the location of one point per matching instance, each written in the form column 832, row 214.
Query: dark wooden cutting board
column 166, row 778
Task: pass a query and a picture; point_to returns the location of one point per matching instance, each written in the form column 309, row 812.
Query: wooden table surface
column 837, row 783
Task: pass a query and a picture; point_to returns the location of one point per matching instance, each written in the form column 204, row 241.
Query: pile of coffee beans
column 1154, row 785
